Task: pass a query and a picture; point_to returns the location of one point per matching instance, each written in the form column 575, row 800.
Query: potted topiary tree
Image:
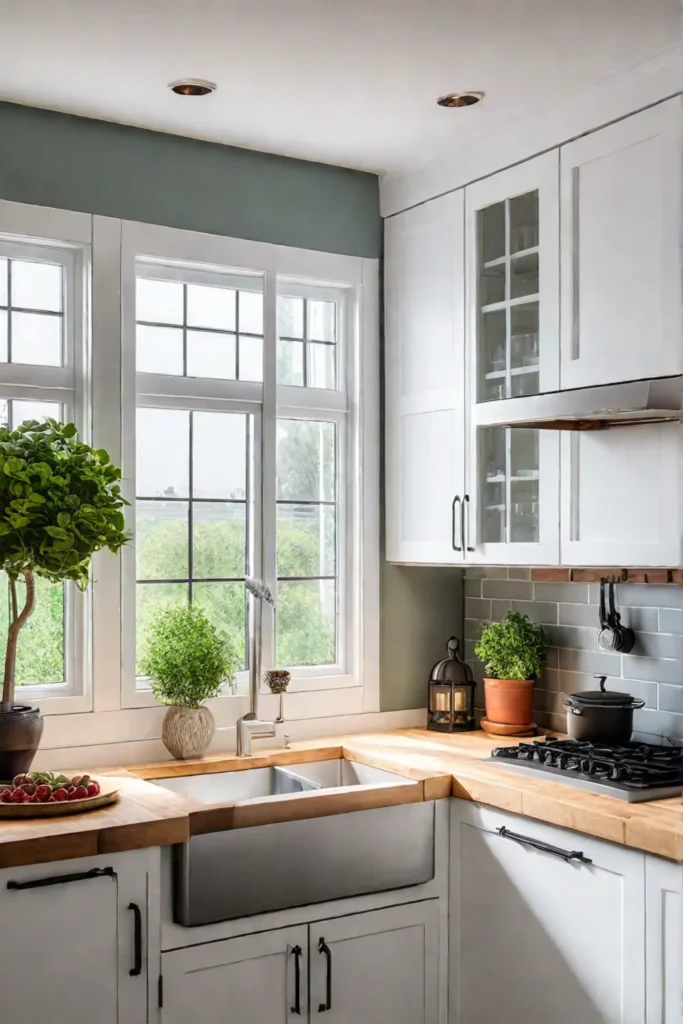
column 188, row 661
column 60, row 502
column 513, row 651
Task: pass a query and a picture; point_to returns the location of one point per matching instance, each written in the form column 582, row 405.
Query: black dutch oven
column 601, row 716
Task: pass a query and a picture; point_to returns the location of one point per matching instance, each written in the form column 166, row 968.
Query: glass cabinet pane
column 508, row 299
column 509, row 486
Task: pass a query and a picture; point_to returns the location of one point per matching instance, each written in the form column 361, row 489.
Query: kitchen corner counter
column 144, row 816
column 148, row 815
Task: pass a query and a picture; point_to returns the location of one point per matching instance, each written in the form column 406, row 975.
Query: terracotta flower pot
column 20, row 732
column 509, row 701
column 187, row 732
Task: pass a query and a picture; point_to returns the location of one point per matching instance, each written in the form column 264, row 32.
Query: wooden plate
column 109, row 794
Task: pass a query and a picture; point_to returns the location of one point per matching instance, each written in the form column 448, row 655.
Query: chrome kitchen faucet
column 250, row 726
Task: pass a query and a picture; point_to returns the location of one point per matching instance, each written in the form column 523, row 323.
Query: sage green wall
column 75, row 163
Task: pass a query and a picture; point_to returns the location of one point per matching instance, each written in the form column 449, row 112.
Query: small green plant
column 187, row 658
column 60, row 502
column 515, row 648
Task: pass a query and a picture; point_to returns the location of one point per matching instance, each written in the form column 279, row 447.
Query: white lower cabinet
column 536, row 937
column 73, row 941
column 380, row 966
column 664, row 940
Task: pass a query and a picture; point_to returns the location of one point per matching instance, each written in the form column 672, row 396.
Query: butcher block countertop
column 442, row 765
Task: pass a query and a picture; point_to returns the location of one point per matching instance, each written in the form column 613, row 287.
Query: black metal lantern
column 451, row 694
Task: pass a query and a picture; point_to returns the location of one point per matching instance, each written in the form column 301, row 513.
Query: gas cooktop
column 635, row 772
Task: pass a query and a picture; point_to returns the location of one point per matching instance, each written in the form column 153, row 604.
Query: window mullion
column 268, row 538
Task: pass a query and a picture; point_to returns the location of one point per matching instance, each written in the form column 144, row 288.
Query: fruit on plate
column 46, row 787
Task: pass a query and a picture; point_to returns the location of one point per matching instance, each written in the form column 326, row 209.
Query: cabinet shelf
column 517, row 371
column 524, row 300
column 501, row 260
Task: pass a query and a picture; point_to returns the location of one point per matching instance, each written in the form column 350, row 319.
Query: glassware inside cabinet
column 508, row 299
column 509, row 486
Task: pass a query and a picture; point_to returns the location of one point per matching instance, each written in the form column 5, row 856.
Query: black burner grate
column 634, row 766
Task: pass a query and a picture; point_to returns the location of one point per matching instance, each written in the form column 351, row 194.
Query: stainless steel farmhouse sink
column 337, row 829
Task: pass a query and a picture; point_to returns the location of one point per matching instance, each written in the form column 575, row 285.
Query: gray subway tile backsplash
column 653, row 672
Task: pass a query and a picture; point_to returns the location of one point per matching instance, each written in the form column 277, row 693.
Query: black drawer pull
column 327, row 1005
column 567, row 855
column 136, row 969
column 296, row 953
column 77, row 876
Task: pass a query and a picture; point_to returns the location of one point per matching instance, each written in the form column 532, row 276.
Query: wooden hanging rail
column 667, row 576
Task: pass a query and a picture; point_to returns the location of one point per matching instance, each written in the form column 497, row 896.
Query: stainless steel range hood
column 609, row 405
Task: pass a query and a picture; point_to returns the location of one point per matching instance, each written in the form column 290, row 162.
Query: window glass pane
column 305, row 460
column 321, row 366
column 219, row 455
column 491, row 222
column 3, row 282
column 225, row 607
column 37, row 339
column 211, row 355
column 251, row 358
column 211, row 307
column 306, row 617
column 290, row 317
column 251, row 312
column 306, row 542
column 321, row 320
column 3, row 335
column 40, row 651
column 151, row 599
column 162, row 540
column 159, row 302
column 219, row 539
column 37, row 285
column 23, row 410
column 290, row 363
column 159, row 349
column 163, row 453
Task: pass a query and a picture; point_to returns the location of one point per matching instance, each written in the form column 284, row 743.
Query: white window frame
column 349, row 689
column 63, row 237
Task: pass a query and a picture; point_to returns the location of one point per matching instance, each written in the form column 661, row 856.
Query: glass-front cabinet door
column 512, row 296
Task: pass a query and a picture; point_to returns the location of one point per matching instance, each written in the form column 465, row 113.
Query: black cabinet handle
column 77, row 876
column 567, row 855
column 137, row 938
column 296, row 953
column 327, row 1005
column 466, row 523
column 456, row 547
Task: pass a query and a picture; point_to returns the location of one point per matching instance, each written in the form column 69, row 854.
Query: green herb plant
column 187, row 658
column 60, row 502
column 515, row 648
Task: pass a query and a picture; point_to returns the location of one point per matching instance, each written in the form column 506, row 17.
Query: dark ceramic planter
column 20, row 732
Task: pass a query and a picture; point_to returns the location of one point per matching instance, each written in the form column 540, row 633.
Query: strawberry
column 19, row 780
column 31, row 799
column 52, row 800
column 60, row 794
column 43, row 793
column 5, row 795
column 93, row 788
column 80, row 793
column 29, row 788
column 17, row 796
column 70, row 789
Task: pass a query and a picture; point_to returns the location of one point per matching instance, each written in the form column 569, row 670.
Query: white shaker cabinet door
column 664, row 940
column 620, row 250
column 254, row 979
column 381, row 967
column 536, row 938
column 424, row 371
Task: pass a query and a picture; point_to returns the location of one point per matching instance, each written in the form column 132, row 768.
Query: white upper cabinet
column 620, row 221
column 424, row 365
column 512, row 320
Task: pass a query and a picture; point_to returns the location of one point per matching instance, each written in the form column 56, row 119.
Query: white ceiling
column 350, row 82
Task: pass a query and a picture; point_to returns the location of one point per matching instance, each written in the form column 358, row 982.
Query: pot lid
column 601, row 696
column 452, row 669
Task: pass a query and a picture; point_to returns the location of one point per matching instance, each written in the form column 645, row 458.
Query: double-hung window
column 43, row 361
column 247, row 461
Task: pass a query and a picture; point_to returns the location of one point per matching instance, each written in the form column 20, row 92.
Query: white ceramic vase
column 187, row 732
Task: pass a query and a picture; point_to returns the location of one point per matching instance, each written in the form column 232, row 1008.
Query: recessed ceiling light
column 460, row 99
column 192, row 87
